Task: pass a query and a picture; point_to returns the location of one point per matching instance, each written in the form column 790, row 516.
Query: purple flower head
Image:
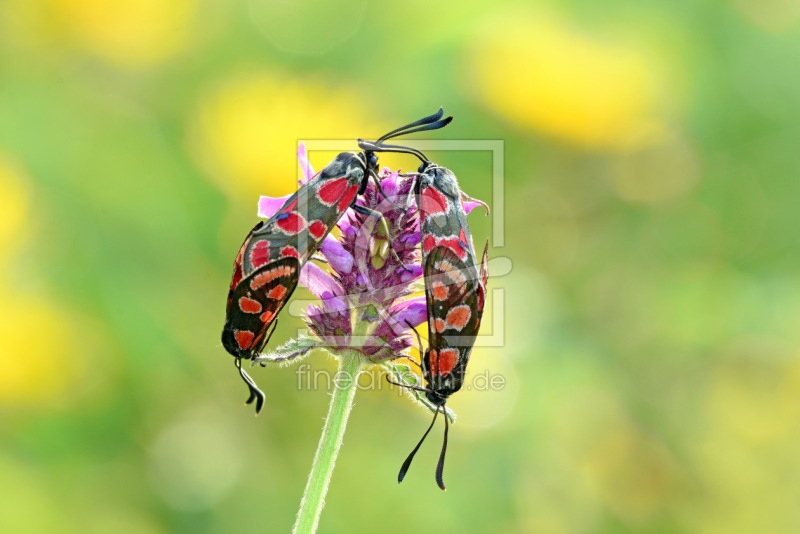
column 375, row 288
column 368, row 287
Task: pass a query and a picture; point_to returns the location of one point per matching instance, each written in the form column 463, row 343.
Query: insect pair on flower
column 373, row 266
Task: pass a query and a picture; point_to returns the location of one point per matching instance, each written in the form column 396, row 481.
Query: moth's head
column 436, row 398
column 230, row 343
column 372, row 161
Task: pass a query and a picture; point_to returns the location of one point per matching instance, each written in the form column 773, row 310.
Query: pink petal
column 415, row 311
column 412, row 239
column 305, row 165
column 406, row 277
column 336, row 255
column 319, row 282
column 470, row 205
column 389, row 185
column 346, row 226
column 269, row 206
column 338, row 305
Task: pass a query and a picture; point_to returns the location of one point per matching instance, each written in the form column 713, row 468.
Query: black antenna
column 368, row 146
column 407, row 463
column 255, row 393
column 440, row 465
column 431, row 122
column 434, row 126
column 426, row 120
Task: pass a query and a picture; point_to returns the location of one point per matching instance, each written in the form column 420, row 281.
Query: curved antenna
column 369, row 146
column 407, row 463
column 255, row 393
column 433, row 126
column 432, row 122
column 425, row 120
column 440, row 465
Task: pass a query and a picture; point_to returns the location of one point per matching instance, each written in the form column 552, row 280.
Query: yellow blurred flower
column 541, row 73
column 44, row 350
column 41, row 357
column 247, row 130
column 128, row 33
column 14, row 205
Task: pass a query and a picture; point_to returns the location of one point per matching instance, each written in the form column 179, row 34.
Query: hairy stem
column 344, row 390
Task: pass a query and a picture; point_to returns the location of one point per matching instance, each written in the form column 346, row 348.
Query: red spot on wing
column 454, row 245
column 438, row 325
column 289, row 251
column 317, row 229
column 462, row 237
column 260, row 253
column 237, row 276
column 428, row 243
column 331, row 191
column 289, row 208
column 432, row 202
column 267, row 317
column 448, row 358
column 347, row 198
column 458, row 317
column 277, row 292
column 262, row 279
column 451, row 271
column 434, row 361
column 248, row 305
column 244, row 339
column 293, row 223
column 439, row 291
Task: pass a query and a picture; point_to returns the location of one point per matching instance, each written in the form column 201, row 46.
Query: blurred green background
column 650, row 317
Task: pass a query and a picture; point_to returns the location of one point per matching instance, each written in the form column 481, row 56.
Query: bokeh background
column 650, row 317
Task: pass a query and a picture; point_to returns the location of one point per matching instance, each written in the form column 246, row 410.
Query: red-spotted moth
column 267, row 268
column 455, row 292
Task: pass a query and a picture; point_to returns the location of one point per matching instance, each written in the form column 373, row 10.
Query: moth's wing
column 255, row 303
column 454, row 310
column 485, row 265
column 484, row 280
column 238, row 265
column 276, row 238
column 299, row 226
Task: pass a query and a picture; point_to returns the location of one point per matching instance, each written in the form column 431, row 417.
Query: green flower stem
column 344, row 390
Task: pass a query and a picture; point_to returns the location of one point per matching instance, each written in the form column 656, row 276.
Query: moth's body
column 455, row 288
column 286, row 241
column 267, row 268
column 455, row 292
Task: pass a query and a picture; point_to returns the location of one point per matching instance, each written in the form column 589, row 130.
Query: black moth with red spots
column 455, row 291
column 253, row 306
column 278, row 248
